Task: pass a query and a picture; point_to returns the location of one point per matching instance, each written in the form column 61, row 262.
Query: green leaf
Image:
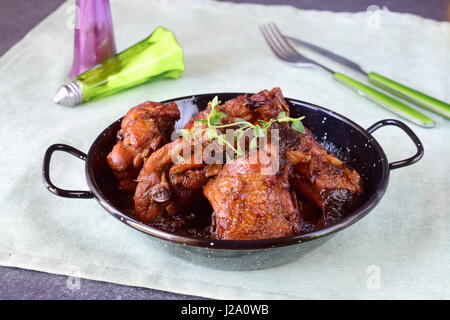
column 201, row 120
column 258, row 131
column 253, row 143
column 281, row 115
column 221, row 139
column 211, row 133
column 215, row 121
column 214, row 102
column 221, row 114
column 297, row 125
column 185, row 133
column 215, row 116
column 265, row 124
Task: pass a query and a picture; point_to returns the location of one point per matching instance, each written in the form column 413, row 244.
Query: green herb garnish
column 259, row 130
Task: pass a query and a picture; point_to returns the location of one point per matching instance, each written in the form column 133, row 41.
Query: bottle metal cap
column 69, row 94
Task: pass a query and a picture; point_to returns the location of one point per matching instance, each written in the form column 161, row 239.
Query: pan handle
column 46, row 172
column 410, row 133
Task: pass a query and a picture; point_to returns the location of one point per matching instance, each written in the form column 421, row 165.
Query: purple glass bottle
column 94, row 36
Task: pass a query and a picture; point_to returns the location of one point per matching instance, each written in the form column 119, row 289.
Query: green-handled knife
column 422, row 100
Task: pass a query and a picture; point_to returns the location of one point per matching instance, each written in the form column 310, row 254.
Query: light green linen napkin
column 401, row 250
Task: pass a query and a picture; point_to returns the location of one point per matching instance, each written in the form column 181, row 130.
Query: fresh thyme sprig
column 214, row 123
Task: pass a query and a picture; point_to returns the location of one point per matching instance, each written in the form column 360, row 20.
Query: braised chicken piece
column 144, row 129
column 250, row 202
column 165, row 187
column 268, row 104
column 323, row 180
column 263, row 105
column 291, row 185
column 153, row 190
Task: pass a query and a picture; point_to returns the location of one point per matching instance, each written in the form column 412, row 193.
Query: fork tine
column 275, row 39
column 284, row 50
column 282, row 41
column 270, row 42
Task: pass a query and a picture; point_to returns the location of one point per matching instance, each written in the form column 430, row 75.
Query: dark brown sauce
column 197, row 222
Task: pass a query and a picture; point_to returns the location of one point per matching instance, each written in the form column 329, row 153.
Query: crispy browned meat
column 268, row 104
column 154, row 190
column 263, row 105
column 144, row 129
column 249, row 204
column 165, row 187
column 323, row 179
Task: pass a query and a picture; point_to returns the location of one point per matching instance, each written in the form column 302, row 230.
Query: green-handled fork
column 287, row 53
column 423, row 100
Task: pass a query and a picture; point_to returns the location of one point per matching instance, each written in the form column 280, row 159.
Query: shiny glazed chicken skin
column 311, row 188
column 249, row 204
column 144, row 129
column 324, row 180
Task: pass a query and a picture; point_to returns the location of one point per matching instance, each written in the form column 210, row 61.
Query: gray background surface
column 18, row 17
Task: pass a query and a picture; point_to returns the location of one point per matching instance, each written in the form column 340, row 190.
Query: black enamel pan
column 338, row 134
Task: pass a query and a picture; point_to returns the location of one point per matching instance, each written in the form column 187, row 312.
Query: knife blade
column 409, row 94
